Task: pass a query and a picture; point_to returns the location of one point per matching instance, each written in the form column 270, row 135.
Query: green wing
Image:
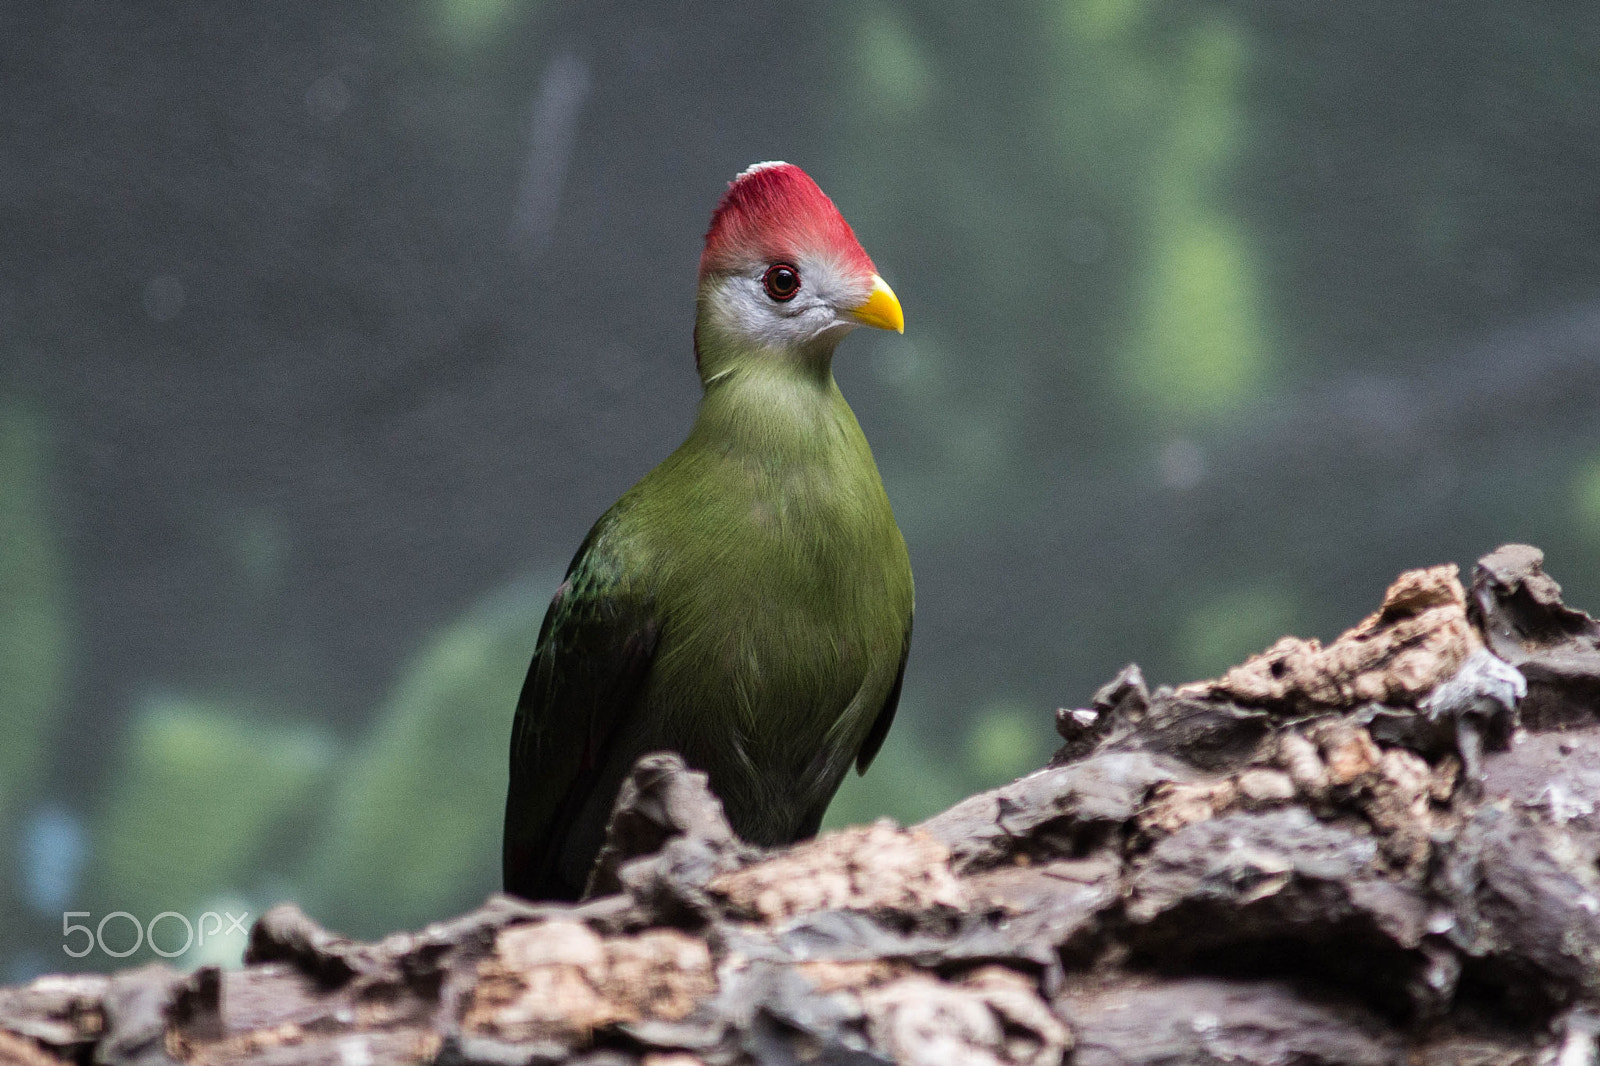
column 587, row 676
column 881, row 724
column 869, row 747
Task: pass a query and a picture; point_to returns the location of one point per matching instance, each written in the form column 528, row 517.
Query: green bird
column 748, row 603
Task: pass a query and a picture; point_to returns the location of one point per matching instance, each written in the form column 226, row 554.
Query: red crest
column 774, row 212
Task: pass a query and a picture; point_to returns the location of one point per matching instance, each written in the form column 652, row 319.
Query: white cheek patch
column 834, row 282
column 741, row 306
column 742, row 309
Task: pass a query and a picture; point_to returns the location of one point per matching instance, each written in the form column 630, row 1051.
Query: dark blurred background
column 327, row 328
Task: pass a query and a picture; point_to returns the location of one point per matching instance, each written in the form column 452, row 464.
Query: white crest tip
column 755, row 168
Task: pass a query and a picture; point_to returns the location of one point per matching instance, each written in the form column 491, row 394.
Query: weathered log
column 1380, row 851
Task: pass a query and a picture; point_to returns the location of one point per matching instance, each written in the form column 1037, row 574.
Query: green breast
column 784, row 594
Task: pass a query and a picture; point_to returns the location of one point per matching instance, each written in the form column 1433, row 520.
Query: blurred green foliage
column 33, row 613
column 1197, row 344
column 1586, row 499
column 215, row 804
column 469, row 25
column 34, row 647
column 1232, row 625
column 898, row 78
column 206, row 793
column 413, row 833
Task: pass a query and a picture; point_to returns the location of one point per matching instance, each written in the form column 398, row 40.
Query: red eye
column 781, row 281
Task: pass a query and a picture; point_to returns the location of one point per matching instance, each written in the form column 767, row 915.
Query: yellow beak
column 881, row 309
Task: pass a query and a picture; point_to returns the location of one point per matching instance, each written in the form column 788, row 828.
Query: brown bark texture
column 1383, row 850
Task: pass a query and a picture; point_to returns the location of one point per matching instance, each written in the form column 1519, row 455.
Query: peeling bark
column 1384, row 851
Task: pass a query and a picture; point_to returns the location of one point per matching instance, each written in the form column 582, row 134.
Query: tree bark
column 1379, row 851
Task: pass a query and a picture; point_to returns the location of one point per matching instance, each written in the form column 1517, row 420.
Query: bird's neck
column 770, row 404
column 775, row 412
column 722, row 352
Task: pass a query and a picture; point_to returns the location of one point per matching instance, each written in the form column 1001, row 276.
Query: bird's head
column 782, row 277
